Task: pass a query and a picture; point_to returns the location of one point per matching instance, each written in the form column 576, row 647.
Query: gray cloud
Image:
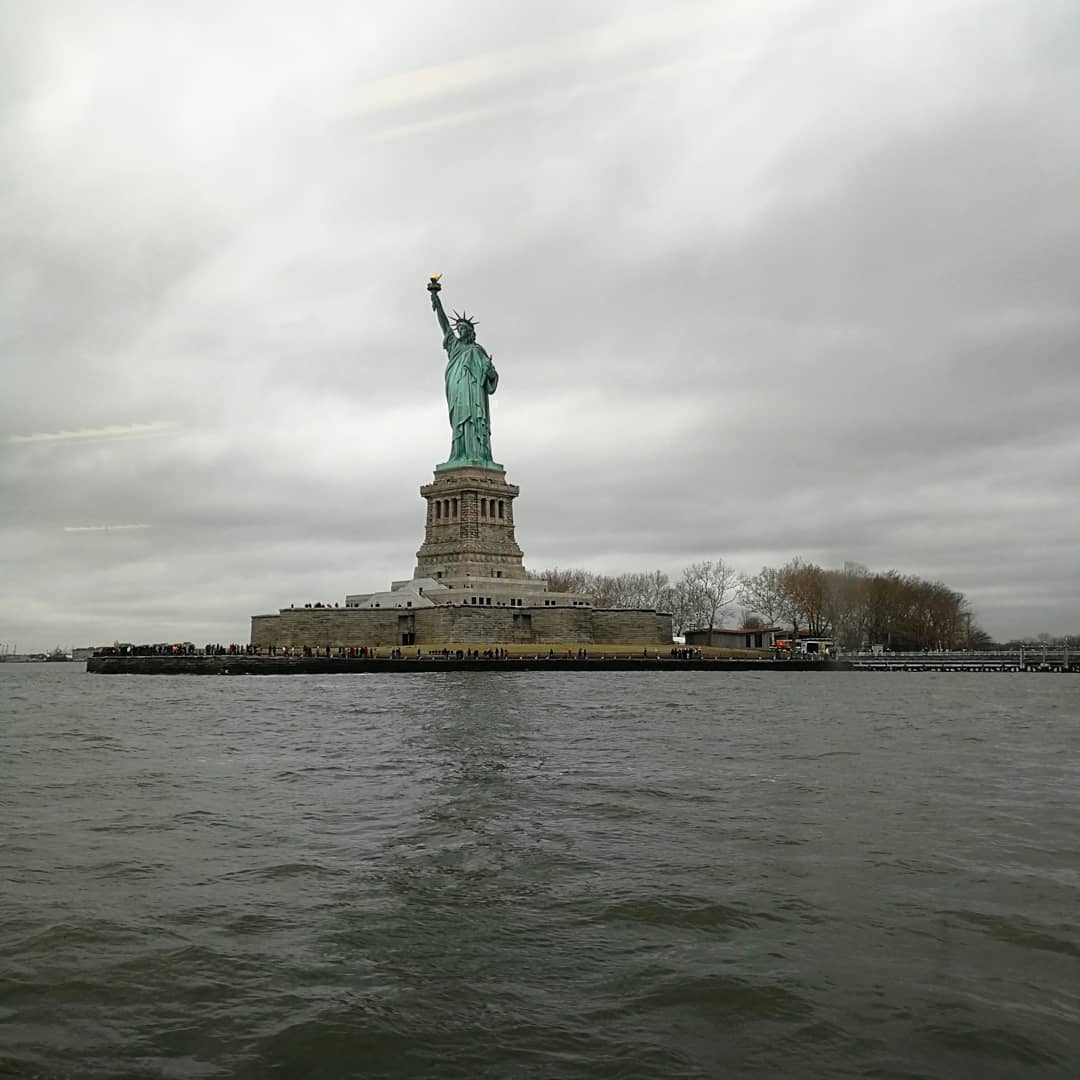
column 760, row 280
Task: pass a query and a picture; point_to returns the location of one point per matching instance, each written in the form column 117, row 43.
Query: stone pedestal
column 482, row 595
column 469, row 531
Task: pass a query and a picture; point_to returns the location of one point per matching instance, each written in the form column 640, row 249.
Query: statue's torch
column 433, row 285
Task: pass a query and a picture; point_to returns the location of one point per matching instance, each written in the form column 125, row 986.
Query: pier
column 1059, row 661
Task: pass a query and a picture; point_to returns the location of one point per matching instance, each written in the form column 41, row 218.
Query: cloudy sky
column 761, row 279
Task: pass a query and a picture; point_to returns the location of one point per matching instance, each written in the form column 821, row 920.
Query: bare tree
column 764, row 594
column 644, row 590
column 685, row 607
column 608, row 591
column 568, row 580
column 713, row 584
column 630, row 591
column 846, row 594
column 804, row 589
column 657, row 590
column 634, row 590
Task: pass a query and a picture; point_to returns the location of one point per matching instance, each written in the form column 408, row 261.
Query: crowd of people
column 686, row 654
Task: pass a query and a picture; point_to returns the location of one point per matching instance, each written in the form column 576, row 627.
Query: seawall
column 333, row 665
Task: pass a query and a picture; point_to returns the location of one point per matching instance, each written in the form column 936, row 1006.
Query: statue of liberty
column 470, row 380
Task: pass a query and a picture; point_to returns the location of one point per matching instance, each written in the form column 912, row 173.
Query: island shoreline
column 335, row 665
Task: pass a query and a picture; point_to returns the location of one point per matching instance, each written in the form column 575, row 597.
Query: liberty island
column 469, row 587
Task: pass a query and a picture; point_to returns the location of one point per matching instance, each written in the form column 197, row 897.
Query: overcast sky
column 760, row 279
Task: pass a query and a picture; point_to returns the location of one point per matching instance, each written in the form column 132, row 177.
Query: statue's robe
column 470, row 378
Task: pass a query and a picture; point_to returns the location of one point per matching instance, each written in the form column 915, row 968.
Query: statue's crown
column 464, row 320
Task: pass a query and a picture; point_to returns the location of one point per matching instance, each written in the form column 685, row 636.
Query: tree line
column 854, row 606
column 698, row 598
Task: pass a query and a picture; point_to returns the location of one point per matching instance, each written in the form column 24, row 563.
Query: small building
column 808, row 644
column 749, row 637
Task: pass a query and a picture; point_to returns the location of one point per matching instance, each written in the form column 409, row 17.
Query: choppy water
column 488, row 875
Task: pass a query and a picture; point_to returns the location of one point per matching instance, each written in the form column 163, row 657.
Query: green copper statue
column 470, row 379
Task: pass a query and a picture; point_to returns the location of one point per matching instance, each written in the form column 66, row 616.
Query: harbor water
column 487, row 875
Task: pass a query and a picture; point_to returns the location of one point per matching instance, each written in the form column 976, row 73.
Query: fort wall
column 317, row 628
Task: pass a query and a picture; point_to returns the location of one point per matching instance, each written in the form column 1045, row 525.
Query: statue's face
column 466, row 334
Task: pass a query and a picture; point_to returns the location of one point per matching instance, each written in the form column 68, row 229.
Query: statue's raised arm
column 436, row 304
column 471, row 379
